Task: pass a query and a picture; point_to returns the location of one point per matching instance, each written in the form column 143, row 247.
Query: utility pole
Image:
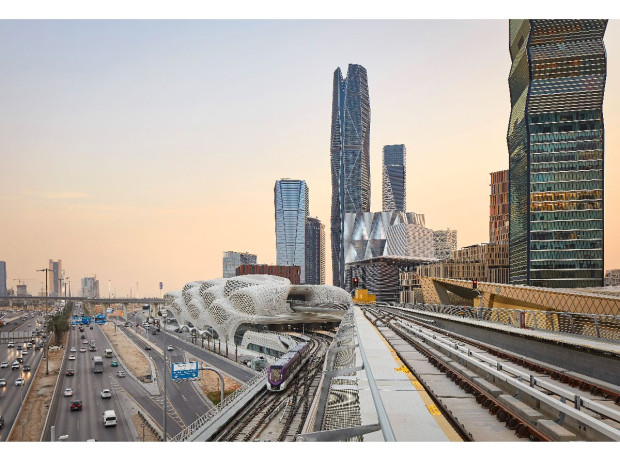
column 164, row 314
column 47, row 339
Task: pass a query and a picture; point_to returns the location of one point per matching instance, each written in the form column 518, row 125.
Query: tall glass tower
column 394, row 172
column 291, row 203
column 555, row 145
column 350, row 156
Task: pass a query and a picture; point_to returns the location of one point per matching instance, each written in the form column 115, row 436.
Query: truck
column 97, row 364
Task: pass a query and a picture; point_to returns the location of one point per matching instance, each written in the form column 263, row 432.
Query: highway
column 87, row 385
column 11, row 395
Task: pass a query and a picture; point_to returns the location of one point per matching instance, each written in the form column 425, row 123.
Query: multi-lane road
column 11, row 396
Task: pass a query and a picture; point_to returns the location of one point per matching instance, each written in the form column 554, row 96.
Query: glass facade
column 315, row 251
column 232, row 260
column 350, row 156
column 394, row 173
column 555, row 144
column 291, row 203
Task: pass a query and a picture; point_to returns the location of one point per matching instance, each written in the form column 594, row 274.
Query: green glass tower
column 555, row 144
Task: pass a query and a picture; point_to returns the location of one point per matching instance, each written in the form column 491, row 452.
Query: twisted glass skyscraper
column 291, row 203
column 555, row 145
column 394, row 172
column 350, row 157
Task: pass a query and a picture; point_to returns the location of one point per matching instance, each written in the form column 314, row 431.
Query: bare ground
column 210, row 382
column 131, row 358
column 148, row 434
column 37, row 403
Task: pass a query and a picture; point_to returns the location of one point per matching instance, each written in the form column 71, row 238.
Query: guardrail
column 591, row 325
column 55, row 398
column 212, row 415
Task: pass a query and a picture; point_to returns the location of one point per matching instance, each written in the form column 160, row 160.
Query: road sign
column 100, row 318
column 184, row 370
column 86, row 320
column 109, row 310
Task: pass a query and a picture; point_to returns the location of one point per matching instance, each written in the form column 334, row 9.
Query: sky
column 139, row 151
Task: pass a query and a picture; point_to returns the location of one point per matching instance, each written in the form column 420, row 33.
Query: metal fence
column 581, row 324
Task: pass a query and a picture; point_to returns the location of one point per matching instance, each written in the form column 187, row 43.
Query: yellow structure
column 363, row 296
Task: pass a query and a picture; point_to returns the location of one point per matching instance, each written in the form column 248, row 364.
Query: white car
column 120, row 374
column 73, row 349
column 82, row 349
column 2, row 382
column 4, row 364
column 19, row 382
column 71, row 357
column 68, row 392
column 84, row 341
column 170, row 348
column 106, row 393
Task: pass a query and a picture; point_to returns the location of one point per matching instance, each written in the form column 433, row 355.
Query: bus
column 97, row 364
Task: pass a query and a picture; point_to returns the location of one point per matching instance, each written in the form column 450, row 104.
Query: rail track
column 279, row 416
column 535, row 400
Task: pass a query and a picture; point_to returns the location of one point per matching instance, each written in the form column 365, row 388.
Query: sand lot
column 131, row 358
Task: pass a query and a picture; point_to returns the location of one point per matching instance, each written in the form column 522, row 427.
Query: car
column 82, row 337
column 84, row 341
column 10, row 344
column 1, row 422
column 147, row 347
column 114, row 363
column 82, row 349
column 19, row 347
column 154, row 332
column 20, row 360
column 127, row 324
column 70, row 373
column 68, row 392
column 19, row 382
column 72, row 327
column 170, row 348
column 91, row 327
column 2, row 382
column 24, row 352
column 15, row 365
column 76, row 405
column 37, row 348
column 120, row 374
column 73, row 349
column 71, row 357
column 4, row 364
column 26, row 367
column 106, row 393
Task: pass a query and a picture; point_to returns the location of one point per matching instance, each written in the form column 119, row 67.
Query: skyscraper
column 291, row 205
column 3, row 291
column 315, row 251
column 394, row 173
column 55, row 278
column 232, row 260
column 499, row 208
column 555, row 145
column 350, row 156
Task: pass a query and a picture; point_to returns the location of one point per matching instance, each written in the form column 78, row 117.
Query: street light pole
column 47, row 339
column 164, row 314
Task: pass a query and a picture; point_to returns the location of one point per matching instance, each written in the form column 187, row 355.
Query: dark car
column 154, row 333
column 82, row 337
column 70, row 373
column 76, row 405
column 1, row 422
column 91, row 327
column 147, row 348
column 20, row 359
column 26, row 367
column 37, row 348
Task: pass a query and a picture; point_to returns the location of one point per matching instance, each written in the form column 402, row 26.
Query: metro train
column 282, row 371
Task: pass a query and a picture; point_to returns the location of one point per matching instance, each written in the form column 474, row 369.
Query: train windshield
column 275, row 373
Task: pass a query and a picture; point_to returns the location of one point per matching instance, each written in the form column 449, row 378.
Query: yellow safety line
column 442, row 422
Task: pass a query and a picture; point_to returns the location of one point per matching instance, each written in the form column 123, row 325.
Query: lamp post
column 47, row 339
column 164, row 314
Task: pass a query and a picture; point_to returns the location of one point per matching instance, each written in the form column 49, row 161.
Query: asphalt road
column 11, row 395
column 88, row 423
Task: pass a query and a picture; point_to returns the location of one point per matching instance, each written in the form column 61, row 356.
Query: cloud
column 65, row 195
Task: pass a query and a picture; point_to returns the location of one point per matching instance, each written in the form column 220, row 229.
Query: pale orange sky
column 140, row 151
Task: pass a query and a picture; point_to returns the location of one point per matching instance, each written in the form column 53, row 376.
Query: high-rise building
column 350, row 157
column 55, row 278
column 394, row 174
column 499, row 206
column 3, row 291
column 292, row 272
column 90, row 287
column 315, row 251
column 291, row 204
column 445, row 243
column 555, row 145
column 612, row 277
column 410, row 240
column 232, row 260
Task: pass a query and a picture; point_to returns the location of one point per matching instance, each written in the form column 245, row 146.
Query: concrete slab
column 554, row 431
column 444, row 387
column 524, row 411
column 423, row 367
column 487, row 387
column 466, row 372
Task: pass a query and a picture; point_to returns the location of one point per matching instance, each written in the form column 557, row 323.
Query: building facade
column 555, row 146
column 445, row 243
column 394, row 174
column 90, row 287
column 3, row 290
column 350, row 157
column 483, row 262
column 232, row 260
column 291, row 206
column 410, row 240
column 315, row 251
column 55, row 278
column 292, row 273
column 612, row 278
column 499, row 206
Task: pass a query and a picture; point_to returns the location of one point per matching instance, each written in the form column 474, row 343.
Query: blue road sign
column 100, row 318
column 76, row 320
column 86, row 320
column 184, row 370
